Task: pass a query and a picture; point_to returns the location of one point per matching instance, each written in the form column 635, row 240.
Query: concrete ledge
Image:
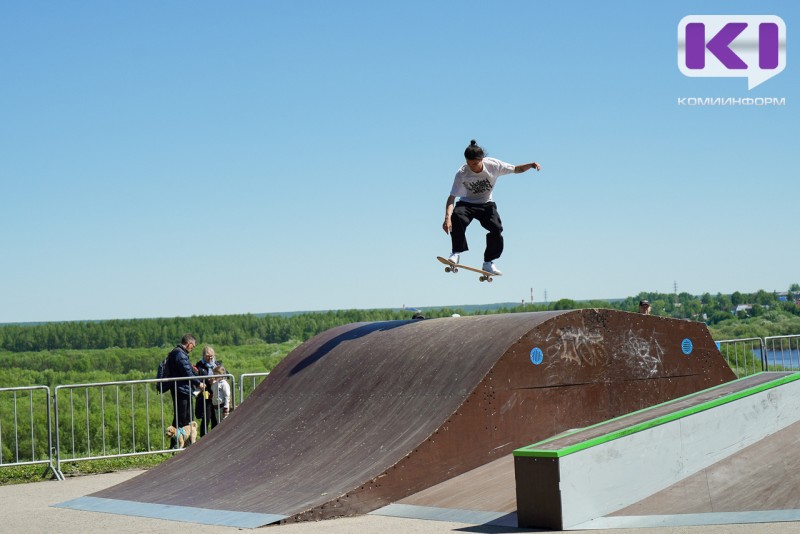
column 586, row 474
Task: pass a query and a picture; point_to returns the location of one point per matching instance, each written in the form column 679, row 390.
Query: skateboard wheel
column 455, row 269
column 490, row 279
column 447, row 269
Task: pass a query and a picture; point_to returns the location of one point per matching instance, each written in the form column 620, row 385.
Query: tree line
column 232, row 330
column 249, row 329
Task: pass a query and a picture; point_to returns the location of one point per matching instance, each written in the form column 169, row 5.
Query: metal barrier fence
column 116, row 419
column 782, row 352
column 25, row 432
column 747, row 356
column 254, row 378
column 96, row 421
column 743, row 355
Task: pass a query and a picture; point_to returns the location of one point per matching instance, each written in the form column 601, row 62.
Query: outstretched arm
column 447, row 226
column 526, row 167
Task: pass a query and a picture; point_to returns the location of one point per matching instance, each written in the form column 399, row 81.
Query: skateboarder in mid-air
column 473, row 186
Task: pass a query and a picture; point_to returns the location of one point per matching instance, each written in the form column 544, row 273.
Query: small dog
column 180, row 436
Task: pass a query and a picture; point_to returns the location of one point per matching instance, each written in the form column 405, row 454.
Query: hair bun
column 473, row 151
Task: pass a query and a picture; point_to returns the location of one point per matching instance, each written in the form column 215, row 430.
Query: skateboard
column 454, row 267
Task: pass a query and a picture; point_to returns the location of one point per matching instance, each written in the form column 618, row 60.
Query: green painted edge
column 532, row 451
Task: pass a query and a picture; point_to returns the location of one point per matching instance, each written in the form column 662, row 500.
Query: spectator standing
column 179, row 367
column 644, row 307
column 221, row 398
column 204, row 409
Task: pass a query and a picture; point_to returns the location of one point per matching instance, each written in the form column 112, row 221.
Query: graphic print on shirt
column 481, row 186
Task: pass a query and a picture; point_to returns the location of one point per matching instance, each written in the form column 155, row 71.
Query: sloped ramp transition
column 366, row 414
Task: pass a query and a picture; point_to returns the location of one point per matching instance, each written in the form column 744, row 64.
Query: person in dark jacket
column 204, row 409
column 179, row 366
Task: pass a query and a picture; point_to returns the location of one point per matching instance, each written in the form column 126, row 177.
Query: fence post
column 57, row 470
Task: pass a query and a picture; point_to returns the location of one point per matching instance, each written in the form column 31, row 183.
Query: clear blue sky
column 163, row 159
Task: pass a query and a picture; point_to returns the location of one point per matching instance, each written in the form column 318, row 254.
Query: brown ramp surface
column 366, row 414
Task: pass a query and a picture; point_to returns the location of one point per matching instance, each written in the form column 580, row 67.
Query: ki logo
column 732, row 46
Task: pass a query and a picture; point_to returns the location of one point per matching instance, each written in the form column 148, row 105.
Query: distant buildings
column 782, row 297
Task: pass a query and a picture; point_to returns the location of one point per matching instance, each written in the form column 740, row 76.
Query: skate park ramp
column 367, row 414
column 734, row 449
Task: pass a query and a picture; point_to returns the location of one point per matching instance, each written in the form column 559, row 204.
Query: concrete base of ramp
column 565, row 482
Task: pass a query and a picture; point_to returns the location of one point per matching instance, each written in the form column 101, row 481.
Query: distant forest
column 718, row 311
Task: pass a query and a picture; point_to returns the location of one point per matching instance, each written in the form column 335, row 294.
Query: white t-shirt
column 221, row 393
column 477, row 188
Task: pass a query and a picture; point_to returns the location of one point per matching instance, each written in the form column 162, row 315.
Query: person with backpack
column 179, row 366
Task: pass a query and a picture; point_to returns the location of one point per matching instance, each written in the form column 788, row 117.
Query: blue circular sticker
column 537, row 356
column 686, row 346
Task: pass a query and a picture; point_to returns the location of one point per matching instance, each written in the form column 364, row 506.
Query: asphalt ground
column 28, row 508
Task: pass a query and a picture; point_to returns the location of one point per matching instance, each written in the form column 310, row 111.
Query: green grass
column 25, row 474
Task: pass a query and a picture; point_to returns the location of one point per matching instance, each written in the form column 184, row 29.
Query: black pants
column 182, row 408
column 487, row 215
column 204, row 410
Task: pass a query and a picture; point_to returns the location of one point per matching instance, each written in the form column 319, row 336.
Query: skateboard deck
column 454, row 267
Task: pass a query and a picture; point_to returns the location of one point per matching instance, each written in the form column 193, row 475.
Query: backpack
column 163, row 372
